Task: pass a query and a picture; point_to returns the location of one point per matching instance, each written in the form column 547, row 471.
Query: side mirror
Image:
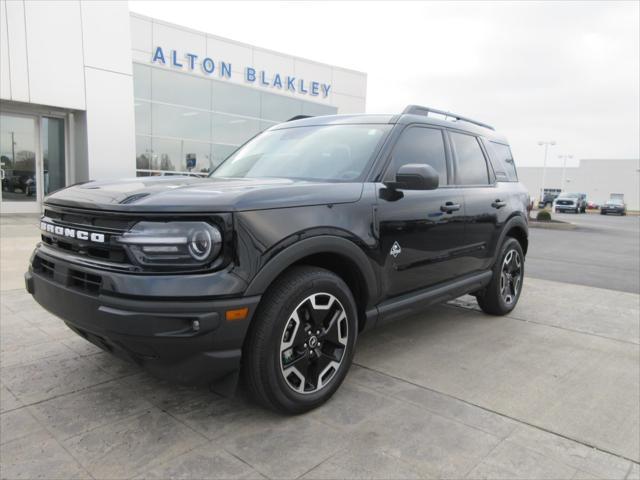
column 415, row 176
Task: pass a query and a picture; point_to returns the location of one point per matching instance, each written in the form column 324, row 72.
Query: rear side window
column 503, row 163
column 472, row 166
column 419, row 145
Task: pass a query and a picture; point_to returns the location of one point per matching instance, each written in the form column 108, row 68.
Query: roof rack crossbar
column 419, row 110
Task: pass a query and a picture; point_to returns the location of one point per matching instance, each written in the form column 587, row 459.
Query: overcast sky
column 567, row 72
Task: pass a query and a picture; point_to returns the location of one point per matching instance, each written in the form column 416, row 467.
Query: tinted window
column 502, row 161
column 472, row 167
column 419, row 145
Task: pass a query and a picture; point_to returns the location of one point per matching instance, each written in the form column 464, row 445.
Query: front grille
column 70, row 217
column 109, row 224
column 564, row 202
column 112, row 253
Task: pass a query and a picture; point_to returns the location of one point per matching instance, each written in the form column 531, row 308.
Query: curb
column 552, row 225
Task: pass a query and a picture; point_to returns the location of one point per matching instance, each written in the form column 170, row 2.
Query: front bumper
column 561, row 208
column 187, row 340
column 612, row 210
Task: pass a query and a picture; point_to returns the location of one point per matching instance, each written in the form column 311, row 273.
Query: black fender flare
column 310, row 246
column 515, row 221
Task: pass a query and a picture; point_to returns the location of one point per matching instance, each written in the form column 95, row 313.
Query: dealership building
column 89, row 90
column 597, row 178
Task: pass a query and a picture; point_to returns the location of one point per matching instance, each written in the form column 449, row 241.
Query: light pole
column 546, row 144
column 564, row 159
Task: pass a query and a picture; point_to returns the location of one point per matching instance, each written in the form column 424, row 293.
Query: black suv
column 312, row 232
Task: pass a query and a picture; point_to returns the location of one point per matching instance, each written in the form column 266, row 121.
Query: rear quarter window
column 502, row 161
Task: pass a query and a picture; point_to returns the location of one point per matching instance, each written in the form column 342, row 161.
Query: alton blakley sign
column 262, row 78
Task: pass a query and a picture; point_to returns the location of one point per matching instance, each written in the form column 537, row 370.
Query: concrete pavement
column 550, row 391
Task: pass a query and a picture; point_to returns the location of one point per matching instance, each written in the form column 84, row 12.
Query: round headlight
column 200, row 244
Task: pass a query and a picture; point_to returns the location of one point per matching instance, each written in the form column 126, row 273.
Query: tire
column 602, row 213
column 290, row 313
column 493, row 299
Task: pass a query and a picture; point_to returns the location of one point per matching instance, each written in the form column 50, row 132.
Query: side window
column 419, row 145
column 503, row 163
column 472, row 166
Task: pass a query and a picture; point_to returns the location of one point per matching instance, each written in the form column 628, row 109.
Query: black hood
column 193, row 194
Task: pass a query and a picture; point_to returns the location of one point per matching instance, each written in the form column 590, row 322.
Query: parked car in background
column 548, row 200
column 570, row 202
column 614, row 205
column 591, row 205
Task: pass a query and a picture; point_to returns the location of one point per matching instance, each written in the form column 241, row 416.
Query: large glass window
column 472, row 166
column 180, row 89
column 419, row 145
column 141, row 81
column 143, row 153
column 279, row 108
column 233, row 130
column 316, row 109
column 18, row 157
column 178, row 115
column 143, row 117
column 328, row 152
column 236, row 99
column 180, row 122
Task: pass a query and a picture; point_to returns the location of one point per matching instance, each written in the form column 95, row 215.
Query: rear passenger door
column 421, row 231
column 486, row 207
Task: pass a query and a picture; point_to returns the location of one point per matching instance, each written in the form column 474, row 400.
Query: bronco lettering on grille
column 72, row 232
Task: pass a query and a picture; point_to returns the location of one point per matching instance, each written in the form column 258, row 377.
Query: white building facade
column 89, row 90
column 598, row 178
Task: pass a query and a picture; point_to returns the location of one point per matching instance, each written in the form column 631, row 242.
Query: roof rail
column 299, row 117
column 418, row 110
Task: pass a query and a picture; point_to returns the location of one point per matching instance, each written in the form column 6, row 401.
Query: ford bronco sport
column 312, row 232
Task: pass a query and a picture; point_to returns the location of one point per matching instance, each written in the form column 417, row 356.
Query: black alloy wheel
column 511, row 276
column 313, row 343
column 301, row 342
column 501, row 295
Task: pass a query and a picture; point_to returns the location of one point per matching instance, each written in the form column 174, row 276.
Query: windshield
column 615, row 201
column 568, row 195
column 327, row 152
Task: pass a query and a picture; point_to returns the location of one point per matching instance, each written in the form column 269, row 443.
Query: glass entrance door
column 53, row 156
column 18, row 157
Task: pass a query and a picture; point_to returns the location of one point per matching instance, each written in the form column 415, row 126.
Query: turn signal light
column 237, row 314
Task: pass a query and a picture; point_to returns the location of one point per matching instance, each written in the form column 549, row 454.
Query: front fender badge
column 395, row 250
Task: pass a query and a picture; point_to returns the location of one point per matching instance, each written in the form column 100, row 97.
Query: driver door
column 421, row 231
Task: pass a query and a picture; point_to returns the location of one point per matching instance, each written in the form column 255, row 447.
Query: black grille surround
column 110, row 255
column 93, row 222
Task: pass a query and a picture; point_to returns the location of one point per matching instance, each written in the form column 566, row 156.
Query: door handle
column 449, row 207
column 498, row 204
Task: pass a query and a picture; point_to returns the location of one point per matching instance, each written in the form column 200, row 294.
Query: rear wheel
column 503, row 292
column 301, row 345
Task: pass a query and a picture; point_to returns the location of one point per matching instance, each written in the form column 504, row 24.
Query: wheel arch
column 336, row 254
column 517, row 228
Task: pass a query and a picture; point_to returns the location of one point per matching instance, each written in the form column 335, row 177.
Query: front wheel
column 503, row 292
column 300, row 347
